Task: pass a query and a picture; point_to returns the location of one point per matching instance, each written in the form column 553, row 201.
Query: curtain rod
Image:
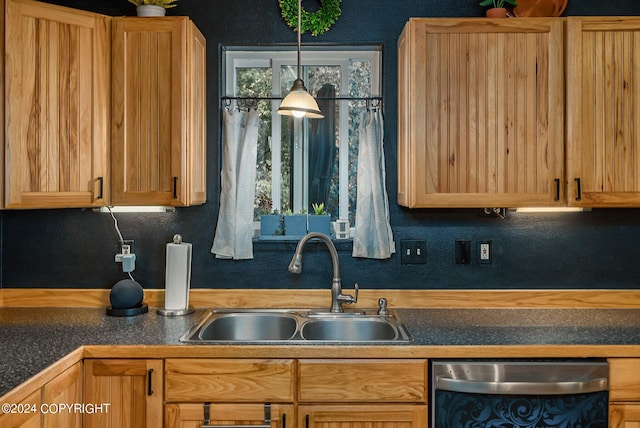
column 225, row 98
column 375, row 101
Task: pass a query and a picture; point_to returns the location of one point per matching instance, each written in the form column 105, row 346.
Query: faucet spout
column 337, row 298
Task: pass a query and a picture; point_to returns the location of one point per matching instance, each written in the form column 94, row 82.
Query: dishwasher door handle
column 522, row 388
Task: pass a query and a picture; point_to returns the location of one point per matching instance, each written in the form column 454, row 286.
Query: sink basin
column 250, row 326
column 349, row 329
column 296, row 326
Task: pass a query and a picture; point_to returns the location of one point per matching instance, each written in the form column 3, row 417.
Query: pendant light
column 299, row 103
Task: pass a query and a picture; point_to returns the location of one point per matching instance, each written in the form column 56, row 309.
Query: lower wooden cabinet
column 133, row 388
column 65, row 389
column 624, row 415
column 21, row 418
column 48, row 407
column 363, row 415
column 188, row 415
column 624, row 392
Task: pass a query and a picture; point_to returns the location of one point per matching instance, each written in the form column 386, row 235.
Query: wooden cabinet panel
column 624, row 379
column 362, row 380
column 603, row 108
column 363, row 416
column 132, row 387
column 56, row 106
column 481, row 113
column 192, row 415
column 624, row 416
column 66, row 388
column 20, row 418
column 159, row 112
column 227, row 380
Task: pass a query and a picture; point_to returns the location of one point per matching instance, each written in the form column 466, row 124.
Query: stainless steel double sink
column 296, row 326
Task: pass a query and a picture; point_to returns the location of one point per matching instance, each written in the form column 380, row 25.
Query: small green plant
column 498, row 3
column 289, row 212
column 318, row 209
column 162, row 3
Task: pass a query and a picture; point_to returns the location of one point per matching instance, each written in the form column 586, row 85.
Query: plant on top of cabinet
column 152, row 7
column 497, row 9
column 162, row 3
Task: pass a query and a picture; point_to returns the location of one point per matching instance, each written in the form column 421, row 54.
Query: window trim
column 275, row 57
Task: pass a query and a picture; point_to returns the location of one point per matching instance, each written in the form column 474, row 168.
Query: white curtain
column 234, row 231
column 373, row 238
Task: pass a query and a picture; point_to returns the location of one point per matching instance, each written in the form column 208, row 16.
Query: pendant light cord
column 299, row 31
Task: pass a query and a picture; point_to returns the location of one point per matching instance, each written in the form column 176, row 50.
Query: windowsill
column 289, row 243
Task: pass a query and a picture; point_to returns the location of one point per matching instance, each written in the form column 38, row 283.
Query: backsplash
column 75, row 248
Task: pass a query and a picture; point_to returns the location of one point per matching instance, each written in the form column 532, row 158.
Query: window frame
column 277, row 57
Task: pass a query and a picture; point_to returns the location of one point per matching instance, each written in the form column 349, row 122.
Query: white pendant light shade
column 299, row 103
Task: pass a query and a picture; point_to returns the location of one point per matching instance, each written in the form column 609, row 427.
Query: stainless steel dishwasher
column 519, row 394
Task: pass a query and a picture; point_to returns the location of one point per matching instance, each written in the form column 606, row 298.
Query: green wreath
column 317, row 22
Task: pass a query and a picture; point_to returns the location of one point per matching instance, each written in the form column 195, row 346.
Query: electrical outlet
column 485, row 252
column 463, row 252
column 126, row 247
column 413, row 251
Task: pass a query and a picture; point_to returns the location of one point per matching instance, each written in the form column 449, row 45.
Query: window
column 305, row 161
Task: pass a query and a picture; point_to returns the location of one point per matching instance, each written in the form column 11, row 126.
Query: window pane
column 324, row 139
column 256, row 82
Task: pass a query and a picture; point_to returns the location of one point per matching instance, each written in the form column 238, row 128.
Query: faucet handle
column 348, row 299
column 382, row 306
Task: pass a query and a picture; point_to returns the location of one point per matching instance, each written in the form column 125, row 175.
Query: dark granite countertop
column 32, row 339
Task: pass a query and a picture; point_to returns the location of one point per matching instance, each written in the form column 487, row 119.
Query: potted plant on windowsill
column 271, row 224
column 320, row 220
column 497, row 9
column 153, row 7
column 295, row 225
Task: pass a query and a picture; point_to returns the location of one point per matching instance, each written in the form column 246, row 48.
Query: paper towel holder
column 177, row 240
column 176, row 312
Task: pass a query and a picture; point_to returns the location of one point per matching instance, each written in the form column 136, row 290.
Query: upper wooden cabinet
column 481, row 113
column 603, row 108
column 56, row 100
column 159, row 112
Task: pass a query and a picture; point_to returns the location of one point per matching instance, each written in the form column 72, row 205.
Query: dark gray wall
column 75, row 248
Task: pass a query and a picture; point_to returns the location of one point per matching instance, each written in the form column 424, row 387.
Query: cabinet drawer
column 362, row 380
column 624, row 379
column 226, row 380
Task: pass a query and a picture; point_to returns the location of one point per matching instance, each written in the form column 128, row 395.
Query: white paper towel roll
column 178, row 275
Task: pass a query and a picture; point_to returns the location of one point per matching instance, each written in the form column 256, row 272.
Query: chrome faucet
column 337, row 298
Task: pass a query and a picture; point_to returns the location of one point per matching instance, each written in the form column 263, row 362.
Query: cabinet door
column 624, row 415
column 57, row 106
column 364, row 381
column 362, row 416
column 158, row 128
column 624, row 379
column 192, row 415
column 481, row 113
column 133, row 388
column 66, row 388
column 603, row 108
column 244, row 380
column 27, row 415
